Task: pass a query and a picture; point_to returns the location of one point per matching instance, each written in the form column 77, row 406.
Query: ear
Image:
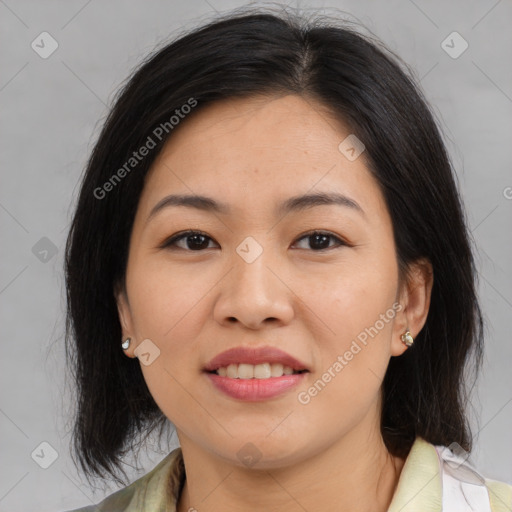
column 125, row 318
column 414, row 296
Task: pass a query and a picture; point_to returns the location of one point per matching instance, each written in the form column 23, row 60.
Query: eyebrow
column 293, row 204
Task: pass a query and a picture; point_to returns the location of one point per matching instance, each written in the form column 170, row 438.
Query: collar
column 157, row 491
column 419, row 487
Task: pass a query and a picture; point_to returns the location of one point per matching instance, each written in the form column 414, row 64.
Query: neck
column 357, row 473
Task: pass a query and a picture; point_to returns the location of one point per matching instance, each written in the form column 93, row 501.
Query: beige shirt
column 419, row 489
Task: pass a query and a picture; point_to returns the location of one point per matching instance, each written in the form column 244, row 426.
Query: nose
column 254, row 294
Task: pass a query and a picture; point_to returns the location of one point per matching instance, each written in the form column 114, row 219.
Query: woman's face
column 256, row 278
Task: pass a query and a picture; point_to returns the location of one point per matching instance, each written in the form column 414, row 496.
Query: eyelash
column 170, row 243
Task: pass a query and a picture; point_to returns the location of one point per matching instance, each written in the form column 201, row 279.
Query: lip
column 255, row 390
column 254, row 355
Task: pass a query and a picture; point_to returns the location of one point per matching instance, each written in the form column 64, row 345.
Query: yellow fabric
column 500, row 495
column 419, row 487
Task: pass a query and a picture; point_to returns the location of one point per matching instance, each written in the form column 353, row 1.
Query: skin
column 252, row 154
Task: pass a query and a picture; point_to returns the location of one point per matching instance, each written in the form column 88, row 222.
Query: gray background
column 51, row 113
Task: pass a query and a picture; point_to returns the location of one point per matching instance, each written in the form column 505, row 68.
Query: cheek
column 165, row 310
column 165, row 300
column 351, row 297
column 357, row 308
column 352, row 359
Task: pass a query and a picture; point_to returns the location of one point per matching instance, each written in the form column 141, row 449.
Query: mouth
column 255, row 363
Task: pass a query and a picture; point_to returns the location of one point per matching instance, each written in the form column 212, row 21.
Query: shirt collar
column 160, row 487
column 419, row 487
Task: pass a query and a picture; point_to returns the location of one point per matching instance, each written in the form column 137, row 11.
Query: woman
column 269, row 223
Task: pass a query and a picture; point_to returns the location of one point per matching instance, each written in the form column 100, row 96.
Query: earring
column 126, row 343
column 407, row 339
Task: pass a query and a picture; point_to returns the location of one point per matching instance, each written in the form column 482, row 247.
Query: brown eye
column 190, row 240
column 319, row 240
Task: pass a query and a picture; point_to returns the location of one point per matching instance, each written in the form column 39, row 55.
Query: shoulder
column 500, row 495
column 152, row 492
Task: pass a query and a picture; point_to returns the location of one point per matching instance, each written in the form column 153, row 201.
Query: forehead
column 257, row 152
column 258, row 127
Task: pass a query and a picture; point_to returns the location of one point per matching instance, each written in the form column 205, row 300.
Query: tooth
column 259, row 371
column 276, row 369
column 245, row 371
column 262, row 371
column 232, row 371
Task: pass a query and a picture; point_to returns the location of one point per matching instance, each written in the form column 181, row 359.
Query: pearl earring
column 407, row 339
column 126, row 343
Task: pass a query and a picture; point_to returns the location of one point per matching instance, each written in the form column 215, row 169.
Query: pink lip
column 255, row 390
column 254, row 355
